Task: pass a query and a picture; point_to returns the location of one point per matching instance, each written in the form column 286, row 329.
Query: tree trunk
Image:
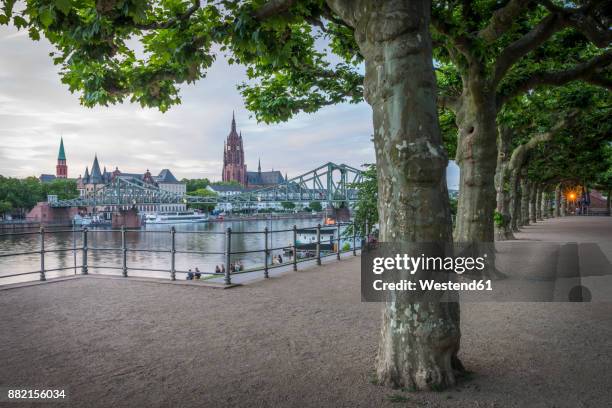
column 558, row 200
column 476, row 150
column 503, row 186
column 515, row 202
column 609, row 202
column 525, row 195
column 563, row 204
column 533, row 193
column 419, row 341
column 544, row 203
column 538, row 202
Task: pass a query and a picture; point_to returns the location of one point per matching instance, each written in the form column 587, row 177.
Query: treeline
column 18, row 196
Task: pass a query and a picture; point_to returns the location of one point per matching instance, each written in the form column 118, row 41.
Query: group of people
column 234, row 267
column 194, row 275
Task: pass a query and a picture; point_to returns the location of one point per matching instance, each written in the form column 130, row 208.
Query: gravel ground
column 300, row 340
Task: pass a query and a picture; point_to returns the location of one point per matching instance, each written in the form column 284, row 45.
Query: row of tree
column 17, row 196
column 488, row 55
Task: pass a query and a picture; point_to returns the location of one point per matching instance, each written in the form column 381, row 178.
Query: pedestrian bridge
column 329, row 183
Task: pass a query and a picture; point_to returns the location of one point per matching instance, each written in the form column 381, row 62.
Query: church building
column 235, row 169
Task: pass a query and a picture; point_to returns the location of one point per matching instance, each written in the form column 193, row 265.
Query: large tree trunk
column 525, row 195
column 563, row 203
column 503, row 186
column 533, row 193
column 609, row 201
column 419, row 341
column 476, row 150
column 544, row 203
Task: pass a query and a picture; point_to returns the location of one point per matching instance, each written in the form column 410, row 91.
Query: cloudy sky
column 36, row 109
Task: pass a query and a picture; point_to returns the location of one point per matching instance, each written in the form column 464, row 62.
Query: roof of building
column 166, row 177
column 62, row 154
column 96, row 174
column 265, row 177
column 46, row 178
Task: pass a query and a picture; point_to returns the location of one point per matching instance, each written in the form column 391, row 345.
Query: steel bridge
column 330, row 183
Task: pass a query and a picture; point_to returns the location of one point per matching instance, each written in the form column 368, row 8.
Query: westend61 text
column 424, row 284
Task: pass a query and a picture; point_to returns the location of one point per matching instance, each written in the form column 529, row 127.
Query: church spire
column 259, row 166
column 233, row 122
column 61, row 155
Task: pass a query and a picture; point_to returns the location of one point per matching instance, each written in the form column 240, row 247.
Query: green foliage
column 64, row 189
column 288, row 205
column 499, row 220
column 366, row 209
column 316, row 206
column 232, row 183
column 195, row 184
column 202, row 192
column 20, row 195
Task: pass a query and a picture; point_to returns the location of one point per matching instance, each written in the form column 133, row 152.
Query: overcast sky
column 36, row 109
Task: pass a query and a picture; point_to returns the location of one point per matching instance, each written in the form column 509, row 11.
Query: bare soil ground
column 300, row 340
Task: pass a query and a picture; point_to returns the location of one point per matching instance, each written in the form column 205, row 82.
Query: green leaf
column 63, row 5
column 20, row 22
column 3, row 19
column 46, row 17
column 34, row 35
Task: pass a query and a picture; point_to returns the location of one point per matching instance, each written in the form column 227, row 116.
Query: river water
column 189, row 237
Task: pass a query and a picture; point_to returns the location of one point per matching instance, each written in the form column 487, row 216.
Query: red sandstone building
column 234, row 166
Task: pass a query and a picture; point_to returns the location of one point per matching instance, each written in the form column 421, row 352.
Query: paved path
column 300, row 340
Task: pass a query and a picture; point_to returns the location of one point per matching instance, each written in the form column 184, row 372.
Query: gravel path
column 300, row 340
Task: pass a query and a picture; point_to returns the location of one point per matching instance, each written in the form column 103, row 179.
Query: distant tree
column 64, row 189
column 232, row 183
column 366, row 209
column 288, row 205
column 203, row 192
column 315, row 206
column 195, row 184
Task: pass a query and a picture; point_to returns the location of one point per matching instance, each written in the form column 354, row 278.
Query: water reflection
column 105, row 248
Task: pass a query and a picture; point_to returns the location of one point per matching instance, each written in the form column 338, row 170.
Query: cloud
column 36, row 109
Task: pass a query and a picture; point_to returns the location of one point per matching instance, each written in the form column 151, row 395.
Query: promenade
column 302, row 339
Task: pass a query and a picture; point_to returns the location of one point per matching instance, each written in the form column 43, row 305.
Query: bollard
column 228, row 254
column 266, row 253
column 338, row 249
column 124, row 252
column 173, row 253
column 295, row 247
column 84, row 269
column 319, row 244
column 42, row 254
column 354, row 239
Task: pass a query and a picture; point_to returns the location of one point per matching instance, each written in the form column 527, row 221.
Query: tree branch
column 172, row 21
column 589, row 71
column 273, row 8
column 502, row 20
column 528, row 42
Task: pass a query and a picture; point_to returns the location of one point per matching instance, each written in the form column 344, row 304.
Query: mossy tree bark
column 525, row 194
column 419, row 341
column 533, row 192
column 538, row 202
column 504, row 187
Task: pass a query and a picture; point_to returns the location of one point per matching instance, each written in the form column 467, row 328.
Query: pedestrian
column 222, row 268
column 217, row 269
column 198, row 275
column 280, row 259
column 190, row 275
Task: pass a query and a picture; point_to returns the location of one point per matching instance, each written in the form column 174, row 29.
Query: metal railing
column 85, row 249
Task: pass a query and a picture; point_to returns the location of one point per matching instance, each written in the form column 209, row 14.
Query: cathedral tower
column 234, row 168
column 61, row 170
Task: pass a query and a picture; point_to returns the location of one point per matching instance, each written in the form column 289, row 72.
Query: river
column 151, row 237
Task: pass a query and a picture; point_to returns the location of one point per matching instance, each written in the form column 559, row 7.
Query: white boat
column 82, row 220
column 175, row 218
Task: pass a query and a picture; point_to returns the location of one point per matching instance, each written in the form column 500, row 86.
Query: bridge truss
column 329, row 183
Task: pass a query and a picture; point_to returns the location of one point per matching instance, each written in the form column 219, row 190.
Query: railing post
column 173, row 253
column 84, row 269
column 124, row 252
column 319, row 244
column 354, row 238
column 295, row 247
column 338, row 243
column 228, row 254
column 266, row 253
column 42, row 254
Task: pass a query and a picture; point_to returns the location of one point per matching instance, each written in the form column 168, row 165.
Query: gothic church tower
column 234, row 168
column 61, row 170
